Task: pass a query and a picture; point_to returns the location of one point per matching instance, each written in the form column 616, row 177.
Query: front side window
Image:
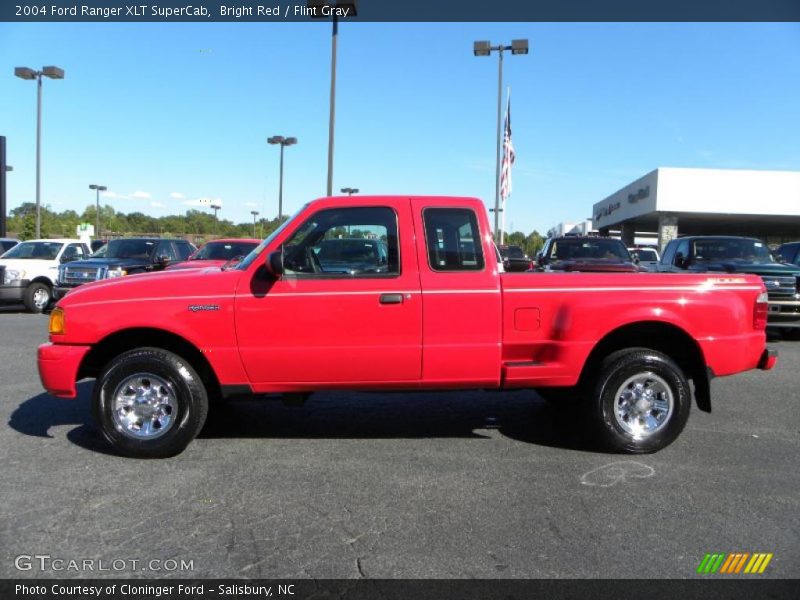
column 72, row 252
column 453, row 239
column 345, row 242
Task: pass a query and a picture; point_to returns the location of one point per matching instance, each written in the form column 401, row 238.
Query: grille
column 77, row 275
column 780, row 286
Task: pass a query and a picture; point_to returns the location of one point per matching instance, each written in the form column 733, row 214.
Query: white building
column 669, row 201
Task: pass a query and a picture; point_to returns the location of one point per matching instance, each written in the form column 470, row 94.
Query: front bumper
column 58, row 368
column 13, row 291
column 768, row 359
column 783, row 313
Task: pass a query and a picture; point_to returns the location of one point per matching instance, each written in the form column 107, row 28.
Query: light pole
column 349, row 191
column 97, row 189
column 255, row 214
column 283, row 141
column 345, row 8
column 4, row 168
column 215, row 205
column 485, row 49
column 26, row 73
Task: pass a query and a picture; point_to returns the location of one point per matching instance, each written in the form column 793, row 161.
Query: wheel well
column 122, row 341
column 662, row 337
column 43, row 280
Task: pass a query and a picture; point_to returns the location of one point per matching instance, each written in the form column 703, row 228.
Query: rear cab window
column 453, row 239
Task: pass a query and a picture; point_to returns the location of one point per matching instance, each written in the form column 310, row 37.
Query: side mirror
column 163, row 260
column 680, row 260
column 635, row 258
column 274, row 264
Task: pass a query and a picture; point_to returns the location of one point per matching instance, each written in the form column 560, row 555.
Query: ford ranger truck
column 442, row 315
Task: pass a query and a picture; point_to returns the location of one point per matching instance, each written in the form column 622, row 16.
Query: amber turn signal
column 57, row 322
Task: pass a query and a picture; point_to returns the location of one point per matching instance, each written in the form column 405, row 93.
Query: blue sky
column 167, row 113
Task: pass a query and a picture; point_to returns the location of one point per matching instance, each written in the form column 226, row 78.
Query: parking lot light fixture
column 349, row 191
column 30, row 74
column 97, row 189
column 485, row 49
column 283, row 142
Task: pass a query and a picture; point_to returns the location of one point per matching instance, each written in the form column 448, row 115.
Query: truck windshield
column 737, row 250
column 248, row 260
column 586, row 249
column 35, row 250
column 223, row 250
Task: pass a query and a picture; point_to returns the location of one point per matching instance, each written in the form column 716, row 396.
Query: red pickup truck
column 432, row 311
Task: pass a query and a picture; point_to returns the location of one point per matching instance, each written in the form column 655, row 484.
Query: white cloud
column 156, row 204
column 137, row 195
column 177, row 196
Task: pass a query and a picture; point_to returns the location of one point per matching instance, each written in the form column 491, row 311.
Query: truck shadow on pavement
column 521, row 416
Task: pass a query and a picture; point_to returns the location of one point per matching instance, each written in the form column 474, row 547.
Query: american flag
column 508, row 155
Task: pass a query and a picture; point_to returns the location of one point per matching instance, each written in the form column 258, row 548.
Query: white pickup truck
column 28, row 270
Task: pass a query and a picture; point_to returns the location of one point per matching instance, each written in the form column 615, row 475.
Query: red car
column 439, row 314
column 216, row 253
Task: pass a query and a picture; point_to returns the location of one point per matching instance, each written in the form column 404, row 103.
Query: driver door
column 336, row 316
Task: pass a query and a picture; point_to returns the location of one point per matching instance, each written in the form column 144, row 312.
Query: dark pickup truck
column 729, row 254
column 589, row 254
column 124, row 256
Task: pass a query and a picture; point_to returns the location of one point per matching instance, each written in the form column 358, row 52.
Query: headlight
column 115, row 273
column 13, row 276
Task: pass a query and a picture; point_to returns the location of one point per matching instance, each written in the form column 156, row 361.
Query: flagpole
column 503, row 198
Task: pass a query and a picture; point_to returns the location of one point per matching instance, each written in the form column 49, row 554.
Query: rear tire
column 641, row 401
column 37, row 297
column 149, row 403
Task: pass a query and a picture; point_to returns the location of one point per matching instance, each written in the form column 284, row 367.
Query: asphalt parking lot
column 435, row 485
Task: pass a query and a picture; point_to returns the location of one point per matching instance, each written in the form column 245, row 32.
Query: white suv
column 28, row 270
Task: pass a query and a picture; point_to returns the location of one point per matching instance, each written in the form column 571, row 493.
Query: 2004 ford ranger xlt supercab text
column 434, row 312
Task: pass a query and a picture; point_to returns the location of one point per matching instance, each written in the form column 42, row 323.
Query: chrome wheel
column 144, row 406
column 41, row 298
column 643, row 404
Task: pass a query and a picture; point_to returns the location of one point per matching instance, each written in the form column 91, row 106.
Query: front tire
column 37, row 297
column 641, row 401
column 149, row 403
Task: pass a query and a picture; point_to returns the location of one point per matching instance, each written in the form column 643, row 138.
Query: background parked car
column 30, row 268
column 123, row 256
column 216, row 253
column 646, row 257
column 352, row 255
column 7, row 244
column 731, row 254
column 586, row 253
column 789, row 253
column 514, row 259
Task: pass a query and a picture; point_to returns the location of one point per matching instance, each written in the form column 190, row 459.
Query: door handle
column 391, row 299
